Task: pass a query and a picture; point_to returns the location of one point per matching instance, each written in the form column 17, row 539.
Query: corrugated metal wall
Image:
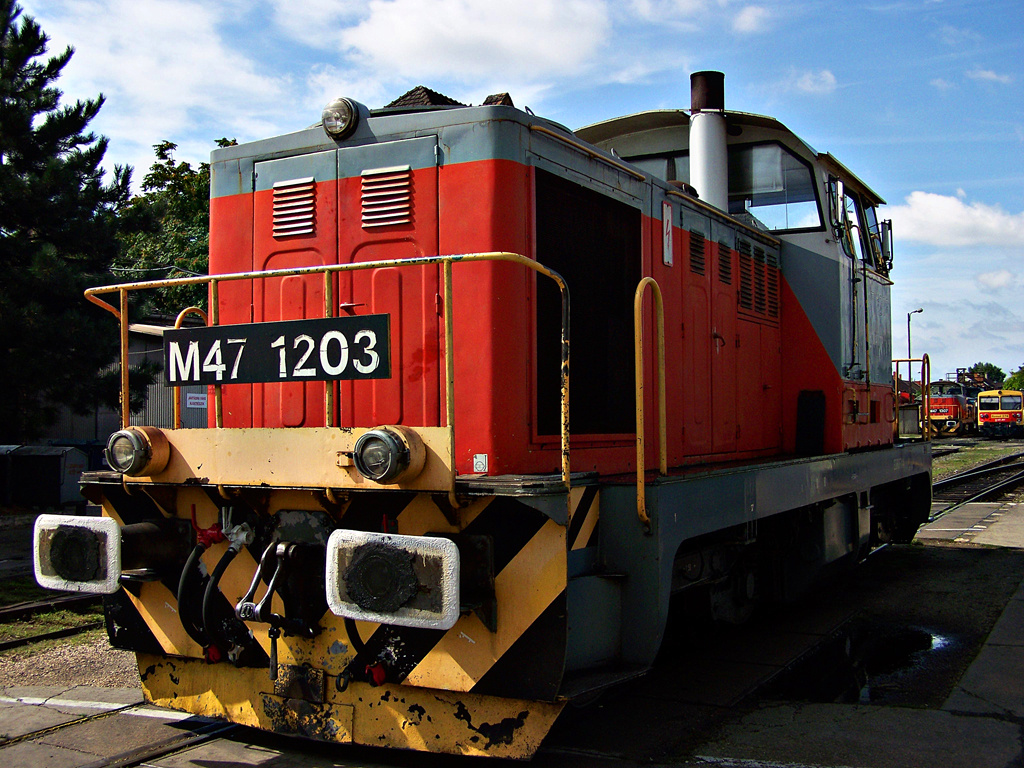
column 158, row 411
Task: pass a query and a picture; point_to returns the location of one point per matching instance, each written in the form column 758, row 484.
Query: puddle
column 862, row 663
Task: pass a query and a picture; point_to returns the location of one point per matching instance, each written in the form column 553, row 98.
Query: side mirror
column 885, row 230
column 836, row 201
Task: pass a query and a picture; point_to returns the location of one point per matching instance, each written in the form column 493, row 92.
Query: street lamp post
column 909, row 355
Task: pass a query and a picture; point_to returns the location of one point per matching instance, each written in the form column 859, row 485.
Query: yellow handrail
column 93, row 295
column 638, row 360
column 177, row 390
column 926, row 396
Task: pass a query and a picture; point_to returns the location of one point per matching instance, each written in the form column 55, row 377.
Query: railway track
column 25, row 611
column 201, row 730
column 983, row 483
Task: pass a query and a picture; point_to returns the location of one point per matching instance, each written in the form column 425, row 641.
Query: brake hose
column 184, row 614
column 212, row 588
column 205, row 538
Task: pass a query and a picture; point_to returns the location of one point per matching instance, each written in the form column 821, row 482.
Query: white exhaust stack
column 709, row 164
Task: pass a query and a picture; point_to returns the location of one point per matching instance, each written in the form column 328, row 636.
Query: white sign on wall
column 195, row 399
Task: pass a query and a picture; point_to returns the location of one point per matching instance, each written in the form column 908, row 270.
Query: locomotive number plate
column 293, row 350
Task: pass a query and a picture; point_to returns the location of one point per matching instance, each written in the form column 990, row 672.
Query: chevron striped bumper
column 489, row 683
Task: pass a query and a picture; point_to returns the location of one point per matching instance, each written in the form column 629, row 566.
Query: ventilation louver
column 724, row 263
column 294, row 207
column 760, row 301
column 745, row 294
column 697, row 258
column 387, row 196
column 773, row 285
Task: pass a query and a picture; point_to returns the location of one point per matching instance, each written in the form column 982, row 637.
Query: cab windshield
column 770, row 188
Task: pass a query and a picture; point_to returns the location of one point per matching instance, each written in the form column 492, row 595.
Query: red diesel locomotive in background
column 487, row 393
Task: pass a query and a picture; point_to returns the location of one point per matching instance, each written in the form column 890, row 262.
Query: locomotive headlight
column 389, row 454
column 138, row 451
column 339, row 118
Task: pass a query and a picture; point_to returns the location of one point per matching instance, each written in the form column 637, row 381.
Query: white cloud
column 316, row 23
column 943, row 220
column 818, row 83
column 662, row 10
column 988, row 76
column 956, row 37
column 751, row 19
column 326, row 82
column 998, row 280
column 472, row 39
column 164, row 69
column 941, row 84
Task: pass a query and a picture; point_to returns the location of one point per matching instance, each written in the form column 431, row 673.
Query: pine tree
column 58, row 236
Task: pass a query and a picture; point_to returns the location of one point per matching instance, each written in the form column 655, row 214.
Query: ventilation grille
column 772, row 269
column 387, row 197
column 759, row 280
column 760, row 301
column 294, row 207
column 724, row 263
column 746, row 291
column 697, row 258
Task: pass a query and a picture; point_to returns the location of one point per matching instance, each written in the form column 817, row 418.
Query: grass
column 971, row 456
column 22, row 589
column 48, row 622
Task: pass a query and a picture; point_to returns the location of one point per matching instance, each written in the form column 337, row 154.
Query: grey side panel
column 880, row 330
column 320, row 166
column 817, row 281
column 684, row 508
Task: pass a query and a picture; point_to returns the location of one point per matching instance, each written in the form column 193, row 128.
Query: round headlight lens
column 339, row 118
column 380, row 455
column 127, row 452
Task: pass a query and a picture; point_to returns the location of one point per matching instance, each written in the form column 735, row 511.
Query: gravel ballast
column 72, row 662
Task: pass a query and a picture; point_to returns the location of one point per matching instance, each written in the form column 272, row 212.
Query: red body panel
column 945, row 408
column 734, row 372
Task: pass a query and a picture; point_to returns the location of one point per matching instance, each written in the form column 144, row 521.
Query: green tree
column 990, row 371
column 168, row 229
column 58, row 236
column 1015, row 380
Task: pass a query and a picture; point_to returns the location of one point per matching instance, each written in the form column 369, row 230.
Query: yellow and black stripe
column 518, row 656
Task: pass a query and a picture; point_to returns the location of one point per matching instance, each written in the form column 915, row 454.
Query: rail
column 214, row 281
column 982, row 483
column 638, row 360
column 926, row 399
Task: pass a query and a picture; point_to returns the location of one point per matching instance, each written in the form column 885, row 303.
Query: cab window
column 773, row 187
column 770, row 188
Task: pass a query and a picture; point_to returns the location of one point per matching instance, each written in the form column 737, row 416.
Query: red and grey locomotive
column 486, row 394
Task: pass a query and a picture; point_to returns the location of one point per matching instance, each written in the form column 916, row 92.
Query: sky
column 922, row 99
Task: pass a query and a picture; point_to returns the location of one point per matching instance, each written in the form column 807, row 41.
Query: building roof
column 421, row 96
